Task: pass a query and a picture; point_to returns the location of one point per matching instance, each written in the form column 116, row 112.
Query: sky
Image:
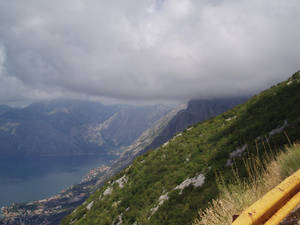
column 145, row 50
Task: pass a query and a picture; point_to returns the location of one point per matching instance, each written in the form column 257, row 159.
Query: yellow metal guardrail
column 272, row 208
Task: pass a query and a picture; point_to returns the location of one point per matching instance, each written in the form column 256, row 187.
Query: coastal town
column 55, row 207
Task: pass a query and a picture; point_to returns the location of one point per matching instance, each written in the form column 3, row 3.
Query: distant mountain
column 74, row 127
column 4, row 109
column 169, row 184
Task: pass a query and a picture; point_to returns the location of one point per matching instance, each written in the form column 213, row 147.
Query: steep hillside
column 74, row 127
column 196, row 111
column 170, row 184
column 177, row 120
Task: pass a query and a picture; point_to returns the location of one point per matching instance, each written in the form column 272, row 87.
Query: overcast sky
column 145, row 50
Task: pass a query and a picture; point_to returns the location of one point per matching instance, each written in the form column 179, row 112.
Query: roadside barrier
column 273, row 207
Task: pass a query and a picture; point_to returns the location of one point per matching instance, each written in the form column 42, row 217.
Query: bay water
column 25, row 179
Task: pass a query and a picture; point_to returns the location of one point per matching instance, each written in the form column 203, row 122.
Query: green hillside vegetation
column 236, row 197
column 156, row 188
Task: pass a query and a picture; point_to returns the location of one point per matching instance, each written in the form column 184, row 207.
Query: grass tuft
column 290, row 162
column 234, row 198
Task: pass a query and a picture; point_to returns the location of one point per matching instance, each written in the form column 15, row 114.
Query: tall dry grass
column 263, row 176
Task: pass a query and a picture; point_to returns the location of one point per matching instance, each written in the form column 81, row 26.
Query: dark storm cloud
column 145, row 50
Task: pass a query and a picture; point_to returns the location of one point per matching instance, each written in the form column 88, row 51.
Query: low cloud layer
column 152, row 50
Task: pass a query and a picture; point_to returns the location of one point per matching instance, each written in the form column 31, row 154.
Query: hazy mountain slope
column 139, row 146
column 128, row 124
column 74, row 127
column 35, row 138
column 4, row 109
column 196, row 111
column 169, row 185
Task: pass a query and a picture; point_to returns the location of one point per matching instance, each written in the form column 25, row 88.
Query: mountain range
column 53, row 209
column 74, row 128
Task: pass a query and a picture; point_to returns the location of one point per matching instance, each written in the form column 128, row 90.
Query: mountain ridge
column 197, row 110
column 72, row 128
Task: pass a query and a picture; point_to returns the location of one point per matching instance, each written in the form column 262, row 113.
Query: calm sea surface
column 34, row 178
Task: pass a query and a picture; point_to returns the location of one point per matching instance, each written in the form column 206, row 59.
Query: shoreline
column 56, row 205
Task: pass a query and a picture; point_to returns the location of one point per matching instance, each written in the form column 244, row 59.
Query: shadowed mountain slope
column 196, row 111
